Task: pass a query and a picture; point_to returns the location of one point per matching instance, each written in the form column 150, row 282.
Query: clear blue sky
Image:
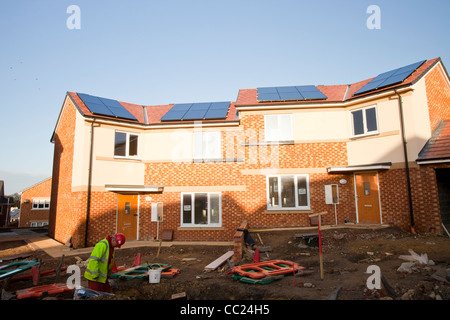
column 160, row 52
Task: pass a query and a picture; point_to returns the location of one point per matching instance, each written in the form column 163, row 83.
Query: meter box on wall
column 331, row 194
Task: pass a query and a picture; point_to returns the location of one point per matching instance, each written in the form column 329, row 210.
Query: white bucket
column 154, row 275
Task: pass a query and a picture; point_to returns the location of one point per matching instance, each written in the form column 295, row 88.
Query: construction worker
column 101, row 262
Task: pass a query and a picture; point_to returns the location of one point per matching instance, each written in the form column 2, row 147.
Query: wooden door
column 127, row 214
column 367, row 197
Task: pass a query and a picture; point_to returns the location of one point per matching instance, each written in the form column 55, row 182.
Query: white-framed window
column 288, row 192
column 201, row 209
column 278, row 127
column 364, row 121
column 38, row 223
column 207, row 145
column 126, row 144
column 41, row 204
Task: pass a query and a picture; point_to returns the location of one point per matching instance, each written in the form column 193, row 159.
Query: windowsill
column 284, row 210
column 127, row 158
column 219, row 160
column 365, row 135
column 268, row 143
column 199, row 228
column 37, row 209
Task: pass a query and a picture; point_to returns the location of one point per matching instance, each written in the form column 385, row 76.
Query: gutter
column 88, row 205
column 405, row 152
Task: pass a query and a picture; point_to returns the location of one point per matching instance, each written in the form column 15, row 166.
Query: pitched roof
column 151, row 115
column 438, row 146
column 337, row 93
column 145, row 115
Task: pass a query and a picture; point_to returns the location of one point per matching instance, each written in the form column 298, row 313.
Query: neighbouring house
column 5, row 206
column 35, row 204
column 362, row 152
column 14, row 217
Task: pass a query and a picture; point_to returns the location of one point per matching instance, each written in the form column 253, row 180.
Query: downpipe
column 405, row 152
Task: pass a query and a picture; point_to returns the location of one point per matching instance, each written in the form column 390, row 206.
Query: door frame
column 138, row 209
column 356, row 198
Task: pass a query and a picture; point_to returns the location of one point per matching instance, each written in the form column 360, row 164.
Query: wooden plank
column 216, row 263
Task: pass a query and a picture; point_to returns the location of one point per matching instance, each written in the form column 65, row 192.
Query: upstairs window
column 278, row 127
column 364, row 121
column 207, row 146
column 125, row 144
column 41, row 204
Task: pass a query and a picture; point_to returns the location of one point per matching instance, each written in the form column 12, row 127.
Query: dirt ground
column 347, row 254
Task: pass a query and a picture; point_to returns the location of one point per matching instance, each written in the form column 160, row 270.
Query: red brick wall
column 67, row 213
column 438, row 96
column 27, row 214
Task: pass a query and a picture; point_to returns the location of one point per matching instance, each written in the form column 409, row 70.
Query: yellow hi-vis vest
column 97, row 268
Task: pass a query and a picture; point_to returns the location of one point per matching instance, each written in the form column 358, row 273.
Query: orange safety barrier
column 39, row 291
column 267, row 268
column 170, row 273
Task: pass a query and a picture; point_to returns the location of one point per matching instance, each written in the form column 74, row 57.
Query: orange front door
column 127, row 214
column 367, row 197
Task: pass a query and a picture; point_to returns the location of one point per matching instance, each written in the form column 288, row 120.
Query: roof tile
column 438, row 146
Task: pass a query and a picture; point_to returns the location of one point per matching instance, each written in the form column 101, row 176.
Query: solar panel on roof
column 389, row 78
column 105, row 107
column 88, row 98
column 268, row 90
column 268, row 96
column 217, row 110
column 308, row 92
column 197, row 111
column 220, row 105
column 195, row 114
column 290, row 96
column 99, row 108
column 306, row 88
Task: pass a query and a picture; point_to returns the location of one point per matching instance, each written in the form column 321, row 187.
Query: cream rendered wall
column 417, row 119
column 386, row 146
column 110, row 170
column 323, row 125
column 169, row 145
column 155, row 145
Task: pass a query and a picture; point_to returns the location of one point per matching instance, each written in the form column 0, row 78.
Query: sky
column 174, row 51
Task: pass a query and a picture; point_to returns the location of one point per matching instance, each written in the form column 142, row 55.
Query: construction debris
column 414, row 262
column 219, row 261
column 414, row 257
column 85, row 293
column 266, row 269
column 266, row 280
column 13, row 268
column 40, row 291
column 179, row 296
column 142, row 272
column 342, row 253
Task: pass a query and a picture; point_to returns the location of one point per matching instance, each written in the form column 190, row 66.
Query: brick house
column 35, row 204
column 5, row 206
column 268, row 160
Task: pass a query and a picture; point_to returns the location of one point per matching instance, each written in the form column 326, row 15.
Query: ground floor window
column 201, row 209
column 288, row 192
column 38, row 224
